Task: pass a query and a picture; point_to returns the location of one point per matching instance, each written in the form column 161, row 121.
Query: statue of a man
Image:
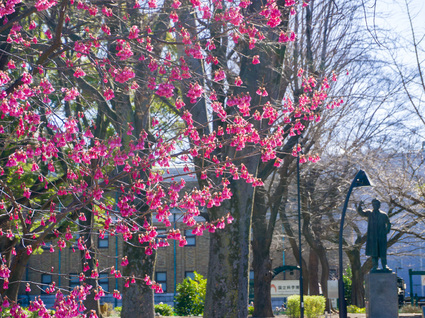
column 377, row 229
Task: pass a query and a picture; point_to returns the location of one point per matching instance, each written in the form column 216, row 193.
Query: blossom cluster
column 60, row 149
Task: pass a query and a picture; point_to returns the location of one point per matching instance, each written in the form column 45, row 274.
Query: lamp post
column 299, row 238
column 360, row 180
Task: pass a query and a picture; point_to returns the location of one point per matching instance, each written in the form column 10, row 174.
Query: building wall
column 62, row 267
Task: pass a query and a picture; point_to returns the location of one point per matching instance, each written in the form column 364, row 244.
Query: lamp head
column 361, row 180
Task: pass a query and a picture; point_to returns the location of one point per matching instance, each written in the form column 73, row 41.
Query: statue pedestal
column 381, row 295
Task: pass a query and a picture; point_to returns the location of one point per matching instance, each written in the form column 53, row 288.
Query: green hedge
column 355, row 310
column 164, row 309
column 314, row 306
column 190, row 296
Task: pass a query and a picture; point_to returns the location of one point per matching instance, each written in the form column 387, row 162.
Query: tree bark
column 357, row 289
column 262, row 263
column 17, row 267
column 86, row 227
column 138, row 299
column 313, row 273
column 227, row 285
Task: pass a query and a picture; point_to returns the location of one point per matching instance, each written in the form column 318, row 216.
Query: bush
column 409, row 309
column 314, row 306
column 5, row 313
column 164, row 309
column 352, row 309
column 118, row 310
column 106, row 309
column 293, row 306
column 250, row 310
column 190, row 297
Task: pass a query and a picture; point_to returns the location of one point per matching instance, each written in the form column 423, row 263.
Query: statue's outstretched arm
column 360, row 209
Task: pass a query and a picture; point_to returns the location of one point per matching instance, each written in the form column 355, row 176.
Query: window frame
column 162, row 282
column 190, row 237
column 44, row 283
column 104, row 240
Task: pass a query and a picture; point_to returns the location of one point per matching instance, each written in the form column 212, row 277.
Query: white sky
column 392, row 15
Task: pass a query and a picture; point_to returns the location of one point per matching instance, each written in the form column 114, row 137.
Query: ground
column 323, row 316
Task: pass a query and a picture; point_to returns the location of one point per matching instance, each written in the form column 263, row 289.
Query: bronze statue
column 377, row 229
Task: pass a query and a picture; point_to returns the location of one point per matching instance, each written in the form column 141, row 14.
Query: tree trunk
column 138, row 299
column 357, row 289
column 86, row 229
column 227, row 285
column 313, row 273
column 262, row 263
column 17, row 267
column 262, row 283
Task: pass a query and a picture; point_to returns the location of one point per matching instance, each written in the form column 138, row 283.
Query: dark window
column 46, row 245
column 74, row 281
column 161, row 233
column 189, row 275
column 46, row 280
column 333, row 274
column 104, row 281
column 103, row 243
column 161, row 278
column 190, row 238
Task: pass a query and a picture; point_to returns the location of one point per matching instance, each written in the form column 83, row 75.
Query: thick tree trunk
column 90, row 302
column 262, row 283
column 227, row 285
column 357, row 289
column 313, row 273
column 17, row 267
column 138, row 299
column 261, row 263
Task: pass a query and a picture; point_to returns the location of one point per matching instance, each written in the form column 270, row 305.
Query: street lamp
column 360, row 180
column 299, row 238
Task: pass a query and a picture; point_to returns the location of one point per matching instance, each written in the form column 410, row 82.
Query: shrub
column 5, row 313
column 352, row 309
column 407, row 309
column 250, row 310
column 314, row 306
column 190, row 296
column 293, row 306
column 118, row 310
column 164, row 309
column 106, row 309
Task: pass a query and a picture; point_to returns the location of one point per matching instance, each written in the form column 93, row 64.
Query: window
column 103, row 281
column 333, row 274
column 46, row 245
column 46, row 280
column 190, row 275
column 190, row 238
column 103, row 243
column 74, row 281
column 161, row 278
column 162, row 233
column 161, row 236
column 251, row 275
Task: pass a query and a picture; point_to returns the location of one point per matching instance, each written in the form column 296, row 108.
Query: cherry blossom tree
column 81, row 82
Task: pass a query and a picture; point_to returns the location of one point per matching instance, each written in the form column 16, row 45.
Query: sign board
column 332, row 289
column 284, row 288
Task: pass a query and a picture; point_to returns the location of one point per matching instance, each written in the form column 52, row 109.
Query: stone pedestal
column 381, row 295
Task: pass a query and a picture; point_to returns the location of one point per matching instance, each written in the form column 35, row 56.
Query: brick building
column 173, row 264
